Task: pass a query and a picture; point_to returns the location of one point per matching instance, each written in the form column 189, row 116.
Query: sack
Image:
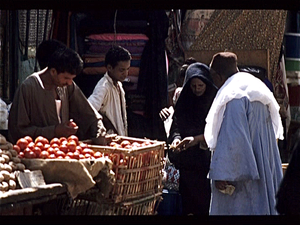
column 171, row 175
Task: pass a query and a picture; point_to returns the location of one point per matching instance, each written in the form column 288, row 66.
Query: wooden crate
column 138, row 171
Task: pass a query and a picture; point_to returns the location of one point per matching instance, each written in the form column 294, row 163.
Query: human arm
column 89, row 121
column 164, row 114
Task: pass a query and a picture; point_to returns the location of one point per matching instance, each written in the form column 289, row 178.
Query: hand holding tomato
column 64, row 129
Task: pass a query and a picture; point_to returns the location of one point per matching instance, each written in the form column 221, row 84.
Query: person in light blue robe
column 242, row 127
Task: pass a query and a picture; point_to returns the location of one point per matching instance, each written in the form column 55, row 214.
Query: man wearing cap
column 242, row 127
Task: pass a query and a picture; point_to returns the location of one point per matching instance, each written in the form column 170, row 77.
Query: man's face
column 63, row 79
column 120, row 71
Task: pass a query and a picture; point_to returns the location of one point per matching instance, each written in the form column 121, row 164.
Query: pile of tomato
column 56, row 148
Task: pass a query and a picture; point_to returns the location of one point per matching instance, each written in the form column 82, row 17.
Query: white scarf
column 237, row 86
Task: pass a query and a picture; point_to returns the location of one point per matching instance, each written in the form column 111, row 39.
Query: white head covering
column 237, row 86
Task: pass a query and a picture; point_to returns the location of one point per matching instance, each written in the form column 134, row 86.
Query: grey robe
column 33, row 112
column 247, row 155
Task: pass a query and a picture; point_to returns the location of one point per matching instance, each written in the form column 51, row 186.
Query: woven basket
column 85, row 204
column 140, row 172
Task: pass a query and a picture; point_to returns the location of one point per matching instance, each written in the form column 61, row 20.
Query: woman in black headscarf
column 188, row 125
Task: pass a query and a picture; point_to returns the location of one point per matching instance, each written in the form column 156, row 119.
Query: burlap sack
column 76, row 174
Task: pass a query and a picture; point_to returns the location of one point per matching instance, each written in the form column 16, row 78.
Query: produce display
column 56, row 148
column 9, row 164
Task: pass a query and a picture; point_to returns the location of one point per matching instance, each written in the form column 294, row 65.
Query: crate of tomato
column 137, row 164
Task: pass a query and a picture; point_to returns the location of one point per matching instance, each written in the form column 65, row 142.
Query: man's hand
column 65, row 129
column 221, row 184
column 164, row 114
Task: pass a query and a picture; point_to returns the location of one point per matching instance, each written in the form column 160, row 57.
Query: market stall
column 79, row 178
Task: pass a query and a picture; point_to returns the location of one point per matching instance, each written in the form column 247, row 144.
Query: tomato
column 28, row 138
column 112, row 144
column 64, row 142
column 54, row 145
column 73, row 138
column 72, row 124
column 70, row 154
column 29, row 154
column 51, row 150
column 88, row 151
column 41, row 139
column 21, row 155
column 135, row 145
column 71, row 145
column 55, row 140
column 64, row 148
column 67, row 157
column 124, row 143
column 22, row 143
column 61, row 139
column 17, row 148
column 44, row 155
column 83, row 145
column 79, row 149
column 52, row 156
column 81, row 156
column 46, row 146
column 147, row 142
column 87, row 156
column 37, row 151
column 128, row 147
column 31, row 145
column 60, row 153
column 40, row 145
column 97, row 155
column 76, row 155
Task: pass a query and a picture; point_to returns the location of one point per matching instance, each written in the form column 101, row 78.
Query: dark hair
column 45, row 50
column 116, row 54
column 224, row 63
column 65, row 59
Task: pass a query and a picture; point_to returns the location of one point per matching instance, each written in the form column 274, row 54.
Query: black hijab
column 191, row 110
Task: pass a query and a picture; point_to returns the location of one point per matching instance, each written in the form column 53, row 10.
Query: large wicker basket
column 87, row 204
column 141, row 174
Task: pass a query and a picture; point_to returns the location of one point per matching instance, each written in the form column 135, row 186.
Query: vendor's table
column 45, row 199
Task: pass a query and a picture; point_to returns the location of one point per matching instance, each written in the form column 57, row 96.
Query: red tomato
column 37, row 151
column 55, row 140
column 83, row 145
column 64, row 142
column 71, row 145
column 62, row 139
column 31, row 145
column 88, row 151
column 60, row 157
column 44, row 155
column 21, row 155
column 124, row 143
column 28, row 138
column 64, row 148
column 112, row 144
column 74, row 138
column 40, row 145
column 52, row 156
column 46, row 146
column 17, row 148
column 60, row 153
column 87, row 156
column 41, row 139
column 22, row 143
column 128, row 147
column 67, row 157
column 29, row 154
column 79, row 149
column 51, row 150
column 97, row 155
column 135, row 145
column 70, row 154
column 81, row 156
column 55, row 145
column 76, row 155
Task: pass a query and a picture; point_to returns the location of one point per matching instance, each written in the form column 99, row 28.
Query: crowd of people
column 223, row 137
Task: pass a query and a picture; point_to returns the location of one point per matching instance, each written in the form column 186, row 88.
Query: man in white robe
column 242, row 127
